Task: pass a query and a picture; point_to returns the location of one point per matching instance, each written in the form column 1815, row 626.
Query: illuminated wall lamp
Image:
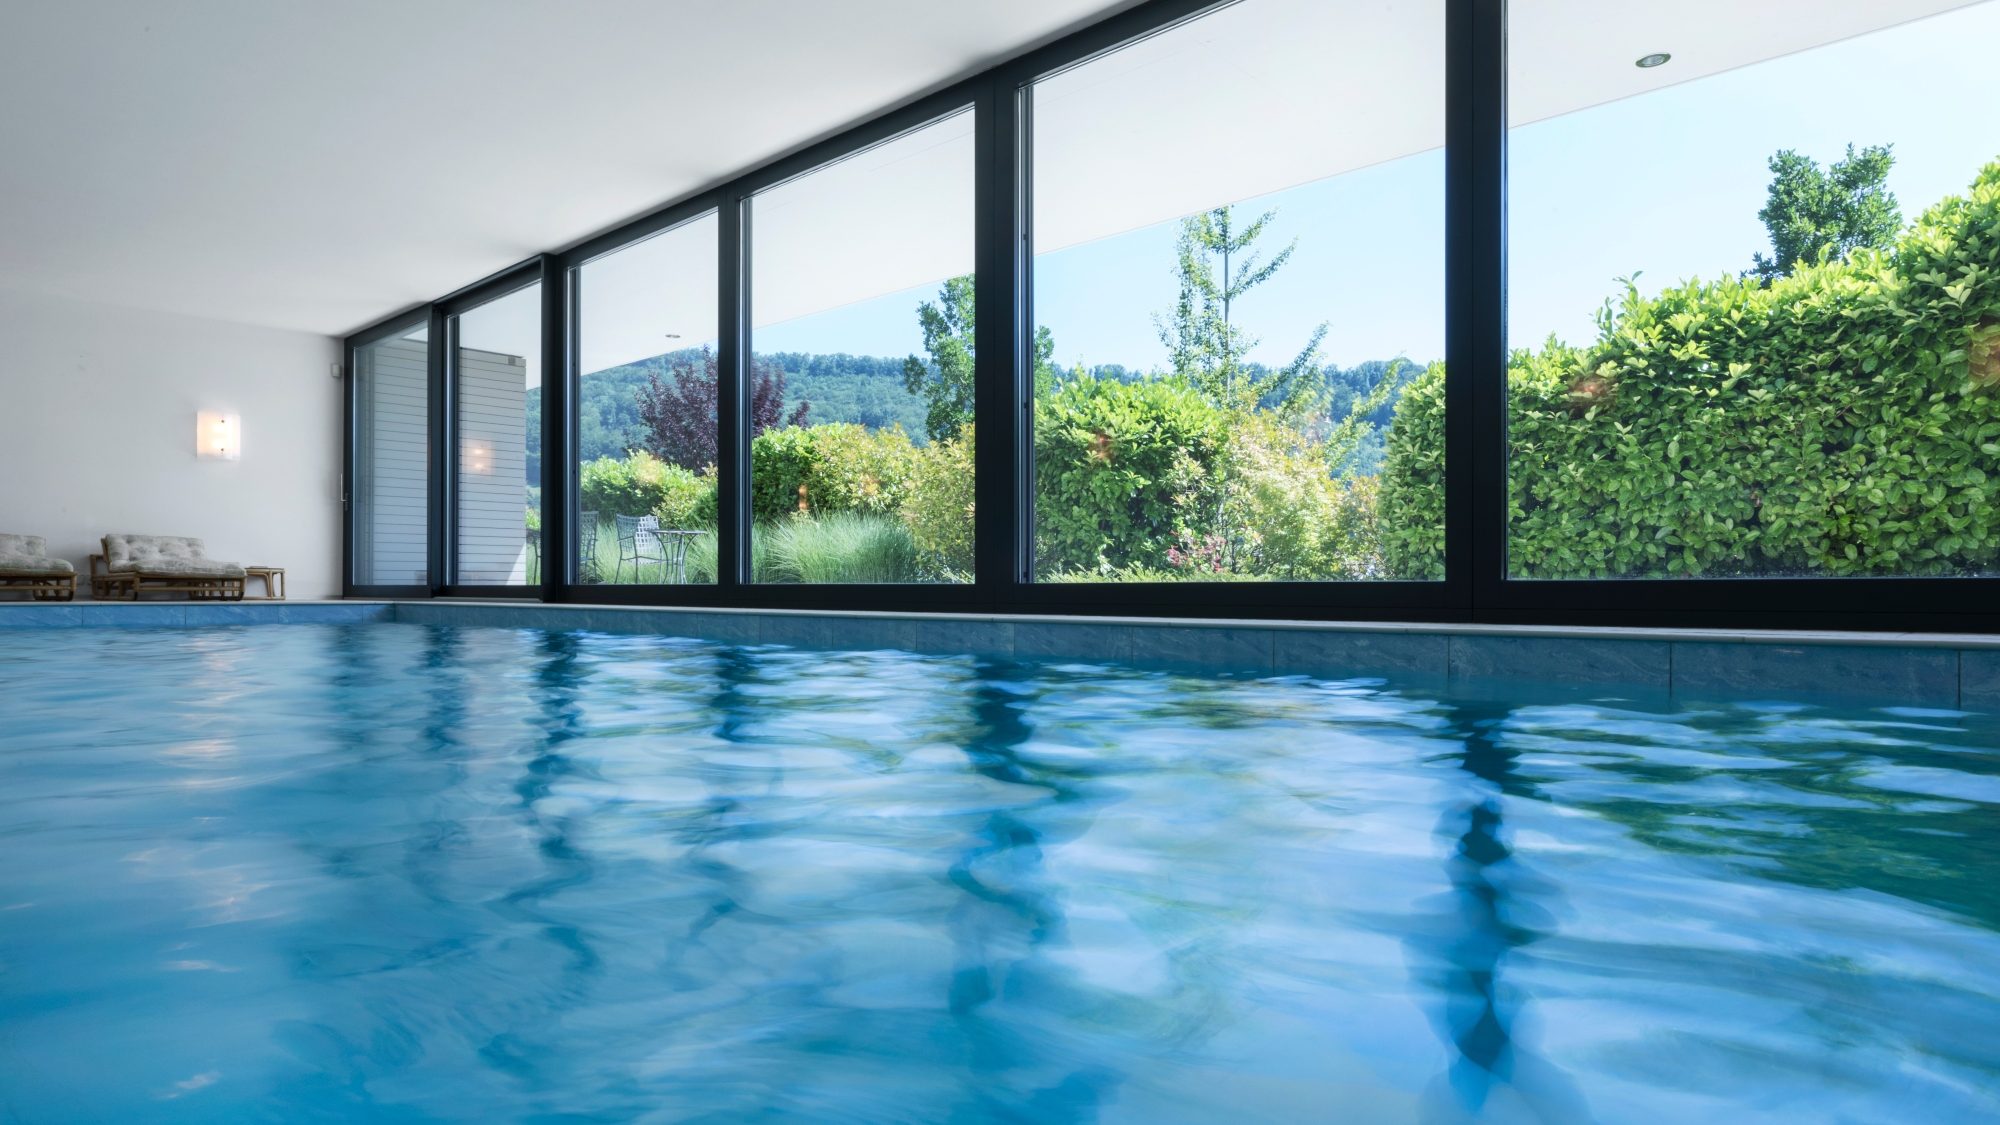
column 218, row 436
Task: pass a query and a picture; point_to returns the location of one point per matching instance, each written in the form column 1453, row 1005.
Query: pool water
column 397, row 873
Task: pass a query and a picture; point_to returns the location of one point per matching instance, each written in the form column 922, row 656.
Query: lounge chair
column 25, row 567
column 162, row 564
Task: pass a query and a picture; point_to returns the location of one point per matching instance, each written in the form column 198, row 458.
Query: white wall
column 97, row 434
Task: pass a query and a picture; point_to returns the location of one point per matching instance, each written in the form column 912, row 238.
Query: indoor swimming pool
column 405, row 873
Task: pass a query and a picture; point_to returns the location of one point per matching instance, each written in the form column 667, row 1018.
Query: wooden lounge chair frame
column 127, row 585
column 44, row 587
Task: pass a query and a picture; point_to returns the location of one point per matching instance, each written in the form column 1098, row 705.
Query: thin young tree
column 1217, row 263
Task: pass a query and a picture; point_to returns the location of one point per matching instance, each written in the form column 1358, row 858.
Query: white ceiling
column 318, row 166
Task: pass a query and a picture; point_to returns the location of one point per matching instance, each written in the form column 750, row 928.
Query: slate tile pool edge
column 1914, row 671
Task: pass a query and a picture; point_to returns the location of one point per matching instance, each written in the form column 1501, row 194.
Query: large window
column 860, row 377
column 1723, row 303
column 1751, row 291
column 1239, row 300
column 646, row 402
column 391, row 489
column 495, row 381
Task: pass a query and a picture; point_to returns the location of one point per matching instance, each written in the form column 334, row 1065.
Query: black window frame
column 1476, row 586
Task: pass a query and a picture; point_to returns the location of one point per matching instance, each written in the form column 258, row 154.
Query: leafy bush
column 1283, row 517
column 1124, row 472
column 687, row 500
column 1410, row 498
column 827, row 469
column 840, row 547
column 634, row 486
column 938, row 506
column 1843, row 421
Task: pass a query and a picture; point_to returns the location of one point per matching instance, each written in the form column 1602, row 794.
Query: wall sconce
column 478, row 458
column 218, row 436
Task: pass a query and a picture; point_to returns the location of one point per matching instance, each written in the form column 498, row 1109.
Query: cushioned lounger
column 162, row 564
column 26, row 568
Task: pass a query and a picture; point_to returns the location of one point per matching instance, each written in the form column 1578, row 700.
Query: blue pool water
column 396, row 873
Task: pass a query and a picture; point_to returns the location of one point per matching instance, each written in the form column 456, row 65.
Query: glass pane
column 861, row 376
column 646, row 410
column 499, row 450
column 1239, row 300
column 1752, row 293
column 391, row 491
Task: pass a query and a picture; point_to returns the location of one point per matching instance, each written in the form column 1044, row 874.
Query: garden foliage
column 939, row 506
column 1843, row 420
column 1124, row 472
column 829, row 468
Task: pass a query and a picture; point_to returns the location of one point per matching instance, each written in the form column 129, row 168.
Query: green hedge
column 1843, row 421
column 1124, row 472
column 633, row 486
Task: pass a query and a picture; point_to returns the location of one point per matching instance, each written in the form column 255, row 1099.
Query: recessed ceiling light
column 1658, row 58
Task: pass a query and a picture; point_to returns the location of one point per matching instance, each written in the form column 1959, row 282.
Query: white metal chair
column 638, row 543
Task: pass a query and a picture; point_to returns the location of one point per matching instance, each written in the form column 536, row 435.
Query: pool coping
column 1917, row 669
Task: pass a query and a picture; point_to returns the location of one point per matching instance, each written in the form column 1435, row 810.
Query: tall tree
column 1216, row 264
column 1812, row 212
column 945, row 380
column 680, row 412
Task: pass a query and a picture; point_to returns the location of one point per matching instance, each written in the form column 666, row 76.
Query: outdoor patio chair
column 162, row 564
column 26, row 568
column 638, row 543
column 587, row 569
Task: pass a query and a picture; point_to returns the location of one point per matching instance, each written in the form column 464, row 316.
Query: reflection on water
column 404, row 874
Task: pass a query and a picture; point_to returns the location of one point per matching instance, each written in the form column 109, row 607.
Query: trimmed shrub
column 829, row 468
column 1410, row 497
column 938, row 506
column 631, row 487
column 1843, row 421
column 1124, row 472
column 687, row 500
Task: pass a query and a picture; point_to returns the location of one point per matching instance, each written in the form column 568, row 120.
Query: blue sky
column 1666, row 185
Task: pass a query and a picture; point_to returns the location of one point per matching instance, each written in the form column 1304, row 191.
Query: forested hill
column 852, row 388
column 866, row 389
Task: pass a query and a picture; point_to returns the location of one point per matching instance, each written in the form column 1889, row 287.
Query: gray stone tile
column 946, row 636
column 449, row 613
column 719, row 628
column 797, row 630
column 1208, row 648
column 337, row 613
column 1337, row 654
column 233, row 614
column 319, row 613
column 30, row 615
column 603, row 620
column 1061, row 640
column 1561, row 660
column 1979, row 679
column 1917, row 677
column 412, row 613
column 874, row 634
column 139, row 615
